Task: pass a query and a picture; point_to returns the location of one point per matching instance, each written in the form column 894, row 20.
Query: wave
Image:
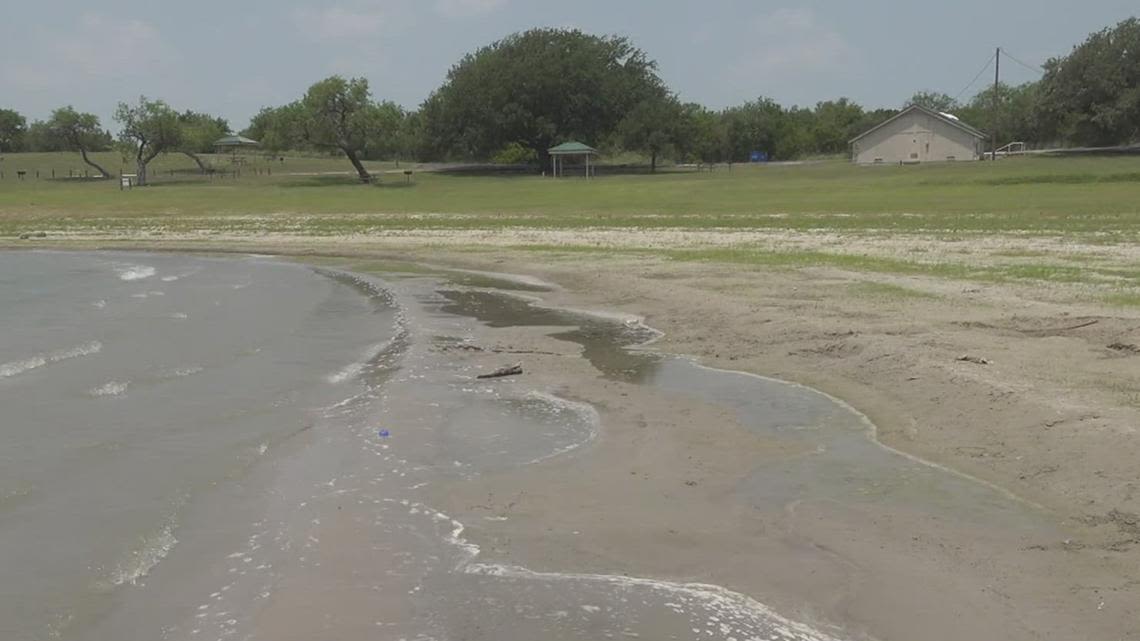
column 586, row 412
column 352, row 370
column 135, row 272
column 152, row 549
column 14, row 368
column 113, row 388
column 346, row 373
column 733, row 614
column 19, row 367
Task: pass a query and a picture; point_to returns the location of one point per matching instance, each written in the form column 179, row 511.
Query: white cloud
column 358, row 21
column 95, row 49
column 789, row 42
column 465, row 8
column 101, row 46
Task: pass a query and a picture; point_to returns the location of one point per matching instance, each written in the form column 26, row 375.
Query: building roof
column 235, row 141
column 946, row 118
column 572, row 147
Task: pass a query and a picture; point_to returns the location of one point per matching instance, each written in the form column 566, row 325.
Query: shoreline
column 887, row 420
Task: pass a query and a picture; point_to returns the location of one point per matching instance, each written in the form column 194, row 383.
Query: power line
column 982, row 71
column 1034, row 68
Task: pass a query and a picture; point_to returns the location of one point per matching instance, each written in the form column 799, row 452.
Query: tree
column 1092, row 96
column 537, row 88
column 835, row 123
column 150, row 128
column 199, row 131
column 277, row 128
column 753, row 126
column 707, row 140
column 935, row 101
column 76, row 131
column 388, row 134
column 655, row 126
column 1010, row 112
column 13, row 127
column 340, row 114
column 40, row 137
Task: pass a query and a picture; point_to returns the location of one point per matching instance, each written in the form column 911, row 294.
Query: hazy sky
column 231, row 58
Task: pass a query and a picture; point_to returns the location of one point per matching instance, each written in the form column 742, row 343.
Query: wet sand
column 686, row 483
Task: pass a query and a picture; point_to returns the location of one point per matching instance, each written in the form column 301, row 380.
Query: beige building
column 917, row 134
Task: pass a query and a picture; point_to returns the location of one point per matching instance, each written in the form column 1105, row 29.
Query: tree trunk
column 201, row 165
column 653, row 162
column 142, row 162
column 365, row 177
column 102, row 172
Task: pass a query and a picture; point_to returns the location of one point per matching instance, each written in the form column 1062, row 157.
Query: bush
column 515, row 154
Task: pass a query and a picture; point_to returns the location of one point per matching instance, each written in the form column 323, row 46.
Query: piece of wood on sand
column 512, row 370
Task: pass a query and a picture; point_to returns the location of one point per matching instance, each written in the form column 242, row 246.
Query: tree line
column 510, row 101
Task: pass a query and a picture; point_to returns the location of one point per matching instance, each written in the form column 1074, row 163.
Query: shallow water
column 132, row 384
column 236, row 448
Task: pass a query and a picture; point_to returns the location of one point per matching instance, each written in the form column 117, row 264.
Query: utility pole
column 997, row 80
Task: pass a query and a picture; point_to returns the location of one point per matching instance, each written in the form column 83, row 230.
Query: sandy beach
column 1036, row 420
column 1029, row 396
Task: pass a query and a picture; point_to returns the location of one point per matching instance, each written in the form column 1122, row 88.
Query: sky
column 232, row 58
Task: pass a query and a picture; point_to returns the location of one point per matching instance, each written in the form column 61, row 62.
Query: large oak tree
column 537, row 88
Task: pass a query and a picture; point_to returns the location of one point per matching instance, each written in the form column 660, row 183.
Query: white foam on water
column 183, row 372
column 347, row 373
column 352, row 370
column 134, row 272
column 112, row 388
column 737, row 615
column 585, row 411
column 169, row 279
column 99, row 304
column 152, row 549
column 14, row 368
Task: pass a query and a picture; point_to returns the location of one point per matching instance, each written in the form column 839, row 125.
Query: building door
column 920, row 146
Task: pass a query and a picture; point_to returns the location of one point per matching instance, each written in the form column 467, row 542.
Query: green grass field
column 1089, row 196
column 1037, row 209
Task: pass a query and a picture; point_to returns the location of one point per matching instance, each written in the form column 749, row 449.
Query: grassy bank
column 1072, row 221
column 1035, row 195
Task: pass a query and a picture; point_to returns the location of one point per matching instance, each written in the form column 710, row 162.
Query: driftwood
column 974, row 359
column 1058, row 330
column 513, row 370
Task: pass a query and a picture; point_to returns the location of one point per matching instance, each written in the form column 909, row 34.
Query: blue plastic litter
column 385, row 433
